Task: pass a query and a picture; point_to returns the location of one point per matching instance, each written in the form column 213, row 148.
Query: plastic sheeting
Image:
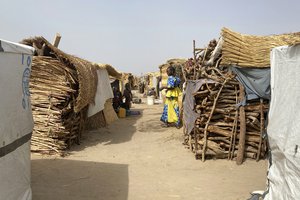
column 255, row 81
column 16, row 121
column 103, row 93
column 189, row 115
column 11, row 47
column 15, row 174
column 284, row 124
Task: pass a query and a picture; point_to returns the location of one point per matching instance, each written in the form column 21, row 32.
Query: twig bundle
column 61, row 86
column 223, row 130
column 53, row 88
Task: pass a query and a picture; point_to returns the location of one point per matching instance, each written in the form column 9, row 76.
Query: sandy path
column 136, row 159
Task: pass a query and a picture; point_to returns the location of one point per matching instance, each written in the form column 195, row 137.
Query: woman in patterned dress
column 171, row 109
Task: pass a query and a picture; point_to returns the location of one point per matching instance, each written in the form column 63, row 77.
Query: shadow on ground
column 118, row 132
column 62, row 179
column 151, row 125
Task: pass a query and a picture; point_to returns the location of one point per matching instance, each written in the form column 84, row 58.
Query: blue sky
column 137, row 36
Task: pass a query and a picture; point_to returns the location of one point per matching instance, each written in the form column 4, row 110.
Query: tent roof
column 11, row 47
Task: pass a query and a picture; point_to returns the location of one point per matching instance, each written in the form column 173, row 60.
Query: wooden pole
column 195, row 58
column 261, row 128
column 242, row 138
column 204, row 57
column 183, row 73
column 196, row 143
column 232, row 150
column 190, row 143
column 208, row 120
column 56, row 40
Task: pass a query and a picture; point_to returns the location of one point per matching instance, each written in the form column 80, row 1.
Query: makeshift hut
column 141, row 84
column 226, row 102
column 131, row 79
column 152, row 80
column 135, row 82
column 16, row 121
column 62, row 87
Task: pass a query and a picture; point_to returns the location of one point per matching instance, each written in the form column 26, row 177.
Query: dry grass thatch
column 53, row 88
column 86, row 71
column 176, row 61
column 252, row 51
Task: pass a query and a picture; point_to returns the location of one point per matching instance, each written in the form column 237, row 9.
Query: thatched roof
column 110, row 69
column 176, row 61
column 86, row 71
column 252, row 51
column 173, row 62
column 153, row 74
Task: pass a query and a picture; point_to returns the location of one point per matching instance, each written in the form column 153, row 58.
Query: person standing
column 170, row 113
column 128, row 97
column 117, row 100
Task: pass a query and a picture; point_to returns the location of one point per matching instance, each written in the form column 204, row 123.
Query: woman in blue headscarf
column 171, row 109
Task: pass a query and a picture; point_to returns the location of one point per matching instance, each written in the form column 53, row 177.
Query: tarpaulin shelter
column 284, row 124
column 16, row 121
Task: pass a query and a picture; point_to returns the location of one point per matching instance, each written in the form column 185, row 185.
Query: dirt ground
column 136, row 159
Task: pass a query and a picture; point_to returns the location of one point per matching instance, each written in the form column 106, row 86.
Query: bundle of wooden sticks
column 223, row 129
column 53, row 88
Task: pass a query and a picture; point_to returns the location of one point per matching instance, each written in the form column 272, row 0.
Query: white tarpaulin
column 103, row 92
column 284, row 124
column 16, row 122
